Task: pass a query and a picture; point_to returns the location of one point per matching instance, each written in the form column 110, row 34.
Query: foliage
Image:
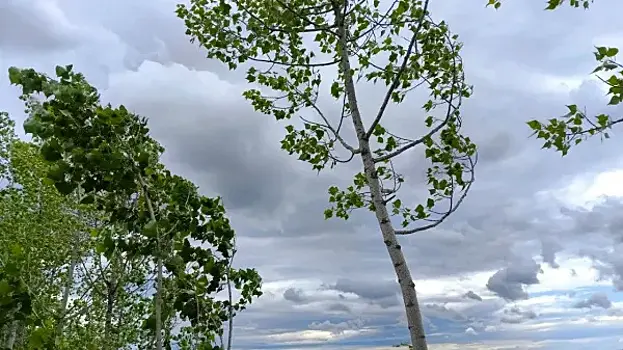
column 36, row 229
column 551, row 4
column 576, row 125
column 149, row 230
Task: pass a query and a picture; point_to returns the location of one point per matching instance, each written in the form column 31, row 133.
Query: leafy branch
column 576, row 126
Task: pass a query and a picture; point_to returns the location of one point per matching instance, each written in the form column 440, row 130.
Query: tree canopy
column 103, row 246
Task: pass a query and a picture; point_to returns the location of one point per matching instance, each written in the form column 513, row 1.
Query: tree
column 561, row 133
column 36, row 232
column 106, row 156
column 47, row 254
column 364, row 42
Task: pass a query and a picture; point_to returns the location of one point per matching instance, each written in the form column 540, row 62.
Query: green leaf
column 151, row 229
column 50, row 152
column 328, row 213
column 60, row 71
column 89, row 199
column 535, row 125
column 64, row 187
column 397, row 203
column 615, row 100
column 15, row 75
column 5, row 288
column 335, row 89
column 100, row 248
column 48, row 181
column 31, row 126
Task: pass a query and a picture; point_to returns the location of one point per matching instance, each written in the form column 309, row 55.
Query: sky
column 532, row 259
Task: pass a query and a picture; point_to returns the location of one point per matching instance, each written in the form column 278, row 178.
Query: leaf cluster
column 576, row 126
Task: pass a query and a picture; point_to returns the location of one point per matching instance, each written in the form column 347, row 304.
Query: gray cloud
column 249, row 172
column 595, row 300
column 472, row 295
column 509, row 282
column 515, row 315
column 138, row 55
column 295, row 295
column 337, row 327
column 42, row 26
column 382, row 293
column 443, row 312
column 549, row 248
column 339, row 307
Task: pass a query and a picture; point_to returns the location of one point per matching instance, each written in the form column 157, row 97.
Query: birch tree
column 284, row 45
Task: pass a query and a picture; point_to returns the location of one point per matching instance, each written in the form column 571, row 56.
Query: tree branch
column 158, row 305
column 321, row 64
column 403, row 67
column 230, row 309
column 452, row 206
column 305, row 16
column 451, row 108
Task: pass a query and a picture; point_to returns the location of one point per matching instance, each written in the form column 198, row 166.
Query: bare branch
column 453, row 206
column 334, row 158
column 321, row 64
column 327, row 125
column 450, row 113
column 403, row 67
column 230, row 309
column 377, row 23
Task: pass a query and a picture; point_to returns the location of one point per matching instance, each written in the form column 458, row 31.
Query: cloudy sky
column 532, row 260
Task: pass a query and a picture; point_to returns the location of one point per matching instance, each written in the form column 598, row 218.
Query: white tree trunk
column 60, row 327
column 407, row 286
column 159, row 267
column 12, row 335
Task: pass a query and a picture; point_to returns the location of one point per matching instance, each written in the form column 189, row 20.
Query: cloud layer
column 533, row 247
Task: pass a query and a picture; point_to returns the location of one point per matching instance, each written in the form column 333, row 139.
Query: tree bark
column 159, row 267
column 68, row 285
column 407, row 286
column 230, row 309
column 110, row 303
column 12, row 335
